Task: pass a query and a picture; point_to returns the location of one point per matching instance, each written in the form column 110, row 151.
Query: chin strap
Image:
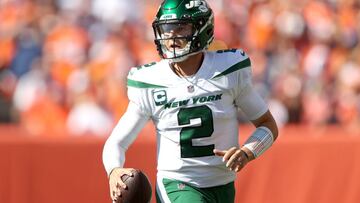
column 182, row 58
column 176, row 60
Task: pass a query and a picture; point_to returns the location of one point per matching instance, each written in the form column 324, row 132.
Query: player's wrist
column 113, row 170
column 260, row 140
column 248, row 154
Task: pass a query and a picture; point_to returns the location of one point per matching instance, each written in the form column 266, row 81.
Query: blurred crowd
column 63, row 63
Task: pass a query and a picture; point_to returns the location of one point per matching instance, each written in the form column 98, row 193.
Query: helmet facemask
column 174, row 39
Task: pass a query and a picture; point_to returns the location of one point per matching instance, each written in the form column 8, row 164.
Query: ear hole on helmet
column 209, row 31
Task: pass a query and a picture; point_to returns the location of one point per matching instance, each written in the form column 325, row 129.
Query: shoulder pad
column 231, row 61
column 143, row 76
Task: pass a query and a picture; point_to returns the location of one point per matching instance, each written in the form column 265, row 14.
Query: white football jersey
column 194, row 115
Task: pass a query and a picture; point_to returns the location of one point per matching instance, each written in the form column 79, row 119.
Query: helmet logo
column 168, row 16
column 197, row 3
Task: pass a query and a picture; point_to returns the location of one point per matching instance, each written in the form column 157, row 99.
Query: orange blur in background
column 305, row 165
column 63, row 67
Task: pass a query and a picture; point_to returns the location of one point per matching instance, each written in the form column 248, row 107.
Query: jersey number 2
column 205, row 129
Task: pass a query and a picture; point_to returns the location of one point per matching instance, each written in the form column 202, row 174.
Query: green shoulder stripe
column 138, row 84
column 242, row 64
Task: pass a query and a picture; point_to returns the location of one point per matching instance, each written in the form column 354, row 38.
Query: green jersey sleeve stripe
column 242, row 64
column 138, row 84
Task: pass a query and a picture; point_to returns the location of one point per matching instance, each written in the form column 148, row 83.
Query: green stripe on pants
column 180, row 192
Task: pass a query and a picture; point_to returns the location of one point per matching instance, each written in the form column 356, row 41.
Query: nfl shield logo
column 190, row 88
column 181, row 186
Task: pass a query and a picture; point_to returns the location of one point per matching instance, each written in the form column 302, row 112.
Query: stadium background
column 63, row 66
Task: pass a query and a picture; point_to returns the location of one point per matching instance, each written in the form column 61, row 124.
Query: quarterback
column 192, row 96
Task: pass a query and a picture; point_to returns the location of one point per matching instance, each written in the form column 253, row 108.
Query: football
column 138, row 188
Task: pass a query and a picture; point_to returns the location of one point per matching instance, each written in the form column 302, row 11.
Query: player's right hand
column 235, row 158
column 116, row 183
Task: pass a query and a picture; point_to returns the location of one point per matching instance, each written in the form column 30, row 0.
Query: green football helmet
column 183, row 28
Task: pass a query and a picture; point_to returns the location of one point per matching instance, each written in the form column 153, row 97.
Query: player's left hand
column 234, row 158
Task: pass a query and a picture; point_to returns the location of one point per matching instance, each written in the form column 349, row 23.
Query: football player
column 192, row 96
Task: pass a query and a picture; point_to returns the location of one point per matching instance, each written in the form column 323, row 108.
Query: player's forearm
column 267, row 120
column 113, row 157
column 262, row 138
column 124, row 133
